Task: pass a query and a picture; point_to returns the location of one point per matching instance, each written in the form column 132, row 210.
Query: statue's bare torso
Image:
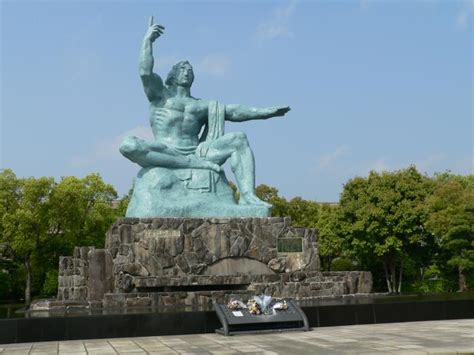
column 177, row 121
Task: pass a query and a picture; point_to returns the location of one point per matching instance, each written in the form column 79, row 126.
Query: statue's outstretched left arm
column 240, row 113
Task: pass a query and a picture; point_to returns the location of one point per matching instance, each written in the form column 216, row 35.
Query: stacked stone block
column 198, row 261
column 297, row 285
column 175, row 247
column 73, row 275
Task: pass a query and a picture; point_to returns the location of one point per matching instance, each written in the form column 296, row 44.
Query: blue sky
column 372, row 84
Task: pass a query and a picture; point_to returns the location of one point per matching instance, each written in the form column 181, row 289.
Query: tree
column 41, row 220
column 235, row 190
column 303, row 213
column 121, row 208
column 383, row 219
column 26, row 225
column 270, row 194
column 9, row 199
column 82, row 210
column 331, row 239
column 9, row 194
column 451, row 219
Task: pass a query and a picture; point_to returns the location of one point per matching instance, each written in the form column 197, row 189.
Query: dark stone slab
column 336, row 315
column 9, row 331
column 28, row 330
column 461, row 309
column 170, row 321
column 364, row 313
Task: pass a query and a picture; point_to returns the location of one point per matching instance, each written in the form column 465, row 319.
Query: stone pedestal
column 188, row 261
column 167, row 192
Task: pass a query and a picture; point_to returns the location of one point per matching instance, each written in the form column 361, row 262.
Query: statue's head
column 181, row 74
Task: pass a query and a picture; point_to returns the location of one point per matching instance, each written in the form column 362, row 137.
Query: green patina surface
column 181, row 173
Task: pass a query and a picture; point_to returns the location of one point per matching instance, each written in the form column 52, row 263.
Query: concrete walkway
column 438, row 337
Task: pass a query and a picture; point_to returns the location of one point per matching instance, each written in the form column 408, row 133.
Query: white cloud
column 216, row 64
column 330, row 158
column 278, row 25
column 430, row 163
column 464, row 15
column 464, row 165
column 365, row 3
column 163, row 63
column 380, row 165
column 108, row 149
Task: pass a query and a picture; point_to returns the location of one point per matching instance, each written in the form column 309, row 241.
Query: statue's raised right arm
column 152, row 83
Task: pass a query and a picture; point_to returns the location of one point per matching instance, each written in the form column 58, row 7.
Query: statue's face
column 185, row 75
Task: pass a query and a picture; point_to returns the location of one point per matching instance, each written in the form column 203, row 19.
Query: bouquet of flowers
column 258, row 305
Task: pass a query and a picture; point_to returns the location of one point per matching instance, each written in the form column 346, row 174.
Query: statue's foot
column 253, row 200
column 212, row 166
column 205, row 164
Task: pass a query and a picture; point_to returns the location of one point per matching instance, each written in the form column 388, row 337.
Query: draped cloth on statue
column 200, row 179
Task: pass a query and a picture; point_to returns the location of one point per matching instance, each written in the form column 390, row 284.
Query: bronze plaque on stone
column 290, row 245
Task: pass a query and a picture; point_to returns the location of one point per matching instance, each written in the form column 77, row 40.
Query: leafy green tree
column 41, row 220
column 235, row 190
column 82, row 210
column 9, row 194
column 384, row 221
column 121, row 208
column 270, row 194
column 26, row 226
column 9, row 197
column 50, row 285
column 8, row 269
column 433, row 279
column 451, row 219
column 303, row 213
column 331, row 238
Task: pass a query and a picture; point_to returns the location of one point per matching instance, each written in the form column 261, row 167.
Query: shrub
column 50, row 286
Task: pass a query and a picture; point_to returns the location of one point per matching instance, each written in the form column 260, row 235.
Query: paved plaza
column 436, row 337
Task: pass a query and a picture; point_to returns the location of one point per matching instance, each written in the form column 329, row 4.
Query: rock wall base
column 197, row 261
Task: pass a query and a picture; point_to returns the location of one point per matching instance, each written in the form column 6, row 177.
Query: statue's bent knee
column 129, row 147
column 240, row 138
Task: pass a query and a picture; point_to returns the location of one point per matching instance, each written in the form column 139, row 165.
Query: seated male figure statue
column 177, row 120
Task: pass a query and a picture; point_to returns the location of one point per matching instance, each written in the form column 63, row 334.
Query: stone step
column 52, row 304
column 144, row 282
column 160, row 299
column 295, row 290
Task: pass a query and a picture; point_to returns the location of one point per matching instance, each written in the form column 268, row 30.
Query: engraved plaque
column 290, row 245
column 161, row 233
column 242, row 321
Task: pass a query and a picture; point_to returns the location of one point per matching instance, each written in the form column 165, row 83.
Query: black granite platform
column 47, row 326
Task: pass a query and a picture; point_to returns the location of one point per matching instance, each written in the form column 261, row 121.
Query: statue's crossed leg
column 231, row 145
column 236, row 147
